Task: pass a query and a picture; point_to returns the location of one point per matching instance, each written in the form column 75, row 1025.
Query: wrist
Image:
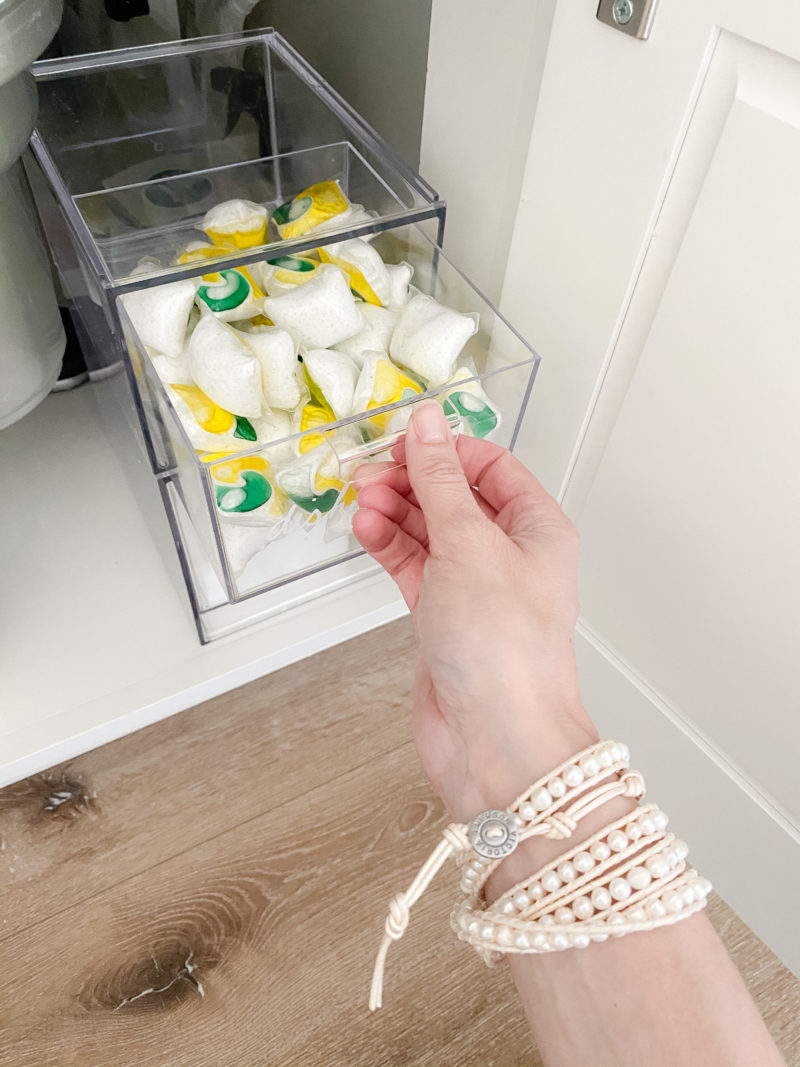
column 500, row 768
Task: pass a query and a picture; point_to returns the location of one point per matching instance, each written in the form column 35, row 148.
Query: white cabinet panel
column 691, row 522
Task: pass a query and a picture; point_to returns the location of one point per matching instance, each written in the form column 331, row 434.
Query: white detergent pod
column 479, row 416
column 331, row 377
column 381, row 383
column 225, row 368
column 236, row 224
column 160, row 315
column 375, row 334
column 243, row 543
column 276, row 351
column 429, row 338
column 173, row 370
column 400, row 275
column 366, row 271
column 320, row 313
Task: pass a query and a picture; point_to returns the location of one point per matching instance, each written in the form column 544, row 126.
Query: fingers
column 400, row 555
column 397, row 508
column 497, row 475
column 438, row 479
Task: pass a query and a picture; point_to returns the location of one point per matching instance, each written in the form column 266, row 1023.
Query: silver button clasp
column 493, row 834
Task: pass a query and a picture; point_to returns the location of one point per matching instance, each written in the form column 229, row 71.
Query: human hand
column 487, row 563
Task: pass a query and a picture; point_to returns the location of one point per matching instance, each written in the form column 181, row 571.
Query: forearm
column 665, row 997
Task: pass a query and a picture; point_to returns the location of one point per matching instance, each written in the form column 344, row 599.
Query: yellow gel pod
column 381, row 383
column 229, row 471
column 210, row 416
column 359, row 286
column 236, row 224
column 313, row 415
column 308, row 209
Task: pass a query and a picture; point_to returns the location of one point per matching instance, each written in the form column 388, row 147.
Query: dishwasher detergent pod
column 225, row 368
column 236, row 224
column 331, row 377
column 365, row 270
column 160, row 315
column 320, row 313
column 309, row 209
column 429, row 338
column 244, row 491
column 381, row 383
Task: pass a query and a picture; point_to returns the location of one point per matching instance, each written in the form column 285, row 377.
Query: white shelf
column 97, row 636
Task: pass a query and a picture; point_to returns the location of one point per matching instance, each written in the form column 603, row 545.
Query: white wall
column 485, row 63
column 373, row 52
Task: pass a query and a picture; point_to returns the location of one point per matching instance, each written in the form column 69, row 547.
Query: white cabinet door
column 655, row 264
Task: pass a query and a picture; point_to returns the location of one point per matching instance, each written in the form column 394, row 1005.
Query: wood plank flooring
column 211, row 892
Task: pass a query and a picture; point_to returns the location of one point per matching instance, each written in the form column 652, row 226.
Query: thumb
column 437, row 477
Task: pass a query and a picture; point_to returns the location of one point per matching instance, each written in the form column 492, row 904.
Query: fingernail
column 429, row 423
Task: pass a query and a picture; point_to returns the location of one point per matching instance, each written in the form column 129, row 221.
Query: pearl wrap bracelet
column 627, row 877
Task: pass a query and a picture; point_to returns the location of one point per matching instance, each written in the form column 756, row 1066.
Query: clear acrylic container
column 232, row 558
column 131, row 150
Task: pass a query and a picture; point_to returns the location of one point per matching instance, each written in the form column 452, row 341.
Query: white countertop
column 96, row 634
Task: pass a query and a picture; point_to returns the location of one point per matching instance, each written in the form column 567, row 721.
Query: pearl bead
column 521, row 941
column 657, row 866
column 617, row 840
column 604, row 758
column 687, row 894
column 648, row 824
column 519, row 822
column 564, row 915
column 599, row 938
column 473, row 926
column 672, row 902
column 508, row 908
column 535, row 891
column 550, row 881
column 541, row 799
column 582, row 862
column 636, row 915
column 600, row 851
column 582, row 908
column 655, row 909
column 620, row 888
column 540, row 942
column 556, row 787
column 476, row 865
column 505, row 935
column 527, row 811
column 634, row 831
column 559, row 941
column 573, row 776
column 681, row 849
column 601, row 898
column 624, row 753
column 671, row 856
column 468, row 875
column 487, row 932
column 566, row 872
column 705, row 884
column 579, row 940
column 661, row 820
column 521, row 900
column 547, row 920
column 590, row 765
column 639, row 877
column 614, row 919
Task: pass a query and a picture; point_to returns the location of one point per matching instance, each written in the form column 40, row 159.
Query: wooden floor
column 211, row 892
